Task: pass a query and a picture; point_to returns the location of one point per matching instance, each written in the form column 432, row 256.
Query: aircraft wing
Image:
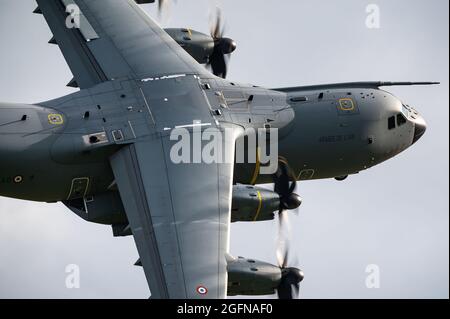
column 179, row 215
column 111, row 39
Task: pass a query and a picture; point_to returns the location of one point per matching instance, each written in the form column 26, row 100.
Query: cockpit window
column 391, row 122
column 401, row 119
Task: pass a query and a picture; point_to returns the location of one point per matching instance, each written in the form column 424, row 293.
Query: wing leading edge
column 113, row 39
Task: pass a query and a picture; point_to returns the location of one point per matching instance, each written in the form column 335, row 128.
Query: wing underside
column 179, row 215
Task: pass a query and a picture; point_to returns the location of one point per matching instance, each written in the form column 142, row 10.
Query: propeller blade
column 296, row 291
column 281, row 180
column 223, row 47
column 285, row 185
column 218, row 63
column 282, row 253
column 160, row 7
column 284, row 291
column 216, row 32
column 289, row 287
column 164, row 5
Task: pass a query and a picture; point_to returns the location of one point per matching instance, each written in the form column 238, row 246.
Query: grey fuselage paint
column 59, row 150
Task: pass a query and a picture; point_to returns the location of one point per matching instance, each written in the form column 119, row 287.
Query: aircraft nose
column 420, row 126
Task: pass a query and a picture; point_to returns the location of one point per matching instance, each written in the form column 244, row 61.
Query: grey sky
column 394, row 215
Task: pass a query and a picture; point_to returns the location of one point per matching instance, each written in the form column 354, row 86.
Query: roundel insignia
column 201, row 290
column 55, row 119
column 346, row 104
column 18, row 179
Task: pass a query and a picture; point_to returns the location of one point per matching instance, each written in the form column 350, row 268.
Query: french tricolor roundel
column 202, row 290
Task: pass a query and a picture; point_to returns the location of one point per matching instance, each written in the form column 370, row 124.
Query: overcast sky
column 394, row 215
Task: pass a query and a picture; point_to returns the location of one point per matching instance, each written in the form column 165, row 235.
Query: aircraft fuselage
column 59, row 150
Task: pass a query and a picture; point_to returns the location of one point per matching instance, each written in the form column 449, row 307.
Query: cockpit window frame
column 406, row 110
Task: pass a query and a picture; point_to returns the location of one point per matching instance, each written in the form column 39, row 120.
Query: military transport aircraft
column 105, row 151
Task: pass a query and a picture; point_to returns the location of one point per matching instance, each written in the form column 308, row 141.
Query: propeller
column 223, row 47
column 161, row 4
column 291, row 277
column 284, row 186
column 289, row 287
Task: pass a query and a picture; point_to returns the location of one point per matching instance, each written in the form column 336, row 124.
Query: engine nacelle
column 252, row 203
column 252, row 277
column 199, row 45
